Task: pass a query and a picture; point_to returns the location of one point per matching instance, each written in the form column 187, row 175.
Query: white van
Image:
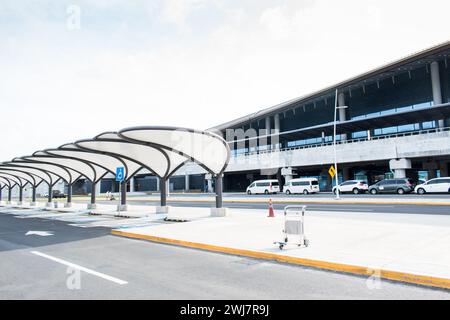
column 437, row 185
column 263, row 187
column 302, row 185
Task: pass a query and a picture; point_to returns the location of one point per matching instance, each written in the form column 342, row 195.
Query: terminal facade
column 396, row 124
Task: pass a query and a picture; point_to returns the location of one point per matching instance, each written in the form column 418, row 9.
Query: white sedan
column 438, row 185
column 353, row 186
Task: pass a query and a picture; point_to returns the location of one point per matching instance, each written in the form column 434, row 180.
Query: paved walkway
column 384, row 243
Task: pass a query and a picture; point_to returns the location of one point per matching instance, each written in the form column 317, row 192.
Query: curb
column 429, row 281
column 421, row 203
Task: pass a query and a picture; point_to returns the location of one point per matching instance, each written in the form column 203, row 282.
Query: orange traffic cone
column 271, row 213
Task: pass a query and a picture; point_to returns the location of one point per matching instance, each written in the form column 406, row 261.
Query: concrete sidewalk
column 409, row 248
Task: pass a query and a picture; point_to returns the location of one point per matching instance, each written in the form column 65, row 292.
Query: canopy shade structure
column 160, row 162
column 66, row 174
column 4, row 181
column 102, row 163
column 13, row 176
column 26, row 176
column 47, row 177
column 79, row 166
column 203, row 147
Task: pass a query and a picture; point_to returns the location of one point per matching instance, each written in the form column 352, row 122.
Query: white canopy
column 30, row 178
column 49, row 177
column 19, row 181
column 105, row 161
column 57, row 170
column 81, row 167
column 160, row 162
column 203, row 147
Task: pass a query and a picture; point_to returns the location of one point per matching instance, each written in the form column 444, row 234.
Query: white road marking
column 39, row 233
column 75, row 266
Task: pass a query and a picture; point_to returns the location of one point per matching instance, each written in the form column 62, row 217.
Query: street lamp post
column 336, row 107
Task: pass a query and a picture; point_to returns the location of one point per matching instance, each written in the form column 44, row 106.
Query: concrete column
column 68, row 204
column 436, row 87
column 276, row 138
column 210, row 188
column 268, row 131
column 186, row 182
column 399, row 167
column 132, row 187
column 342, row 112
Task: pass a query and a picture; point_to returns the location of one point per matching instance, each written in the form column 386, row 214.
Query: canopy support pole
column 20, row 195
column 92, row 205
column 33, row 196
column 219, row 211
column 9, row 194
column 163, row 208
column 68, row 204
column 50, row 196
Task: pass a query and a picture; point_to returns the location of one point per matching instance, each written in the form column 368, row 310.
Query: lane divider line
column 81, row 268
column 332, row 266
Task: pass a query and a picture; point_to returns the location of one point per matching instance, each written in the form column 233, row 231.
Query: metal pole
column 123, row 193
column 33, row 195
column 93, row 187
column 50, row 191
column 1, row 189
column 69, row 193
column 20, row 194
column 219, row 200
column 163, row 187
column 334, row 145
column 9, row 194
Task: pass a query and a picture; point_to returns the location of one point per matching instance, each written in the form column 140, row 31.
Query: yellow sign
column 332, row 171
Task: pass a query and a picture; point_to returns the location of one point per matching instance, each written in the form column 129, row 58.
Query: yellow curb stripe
column 386, row 274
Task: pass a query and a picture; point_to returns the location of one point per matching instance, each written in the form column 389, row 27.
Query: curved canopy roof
column 102, row 163
column 46, row 176
column 160, row 162
column 203, row 147
column 6, row 182
column 12, row 177
column 34, row 180
column 81, row 167
column 57, row 170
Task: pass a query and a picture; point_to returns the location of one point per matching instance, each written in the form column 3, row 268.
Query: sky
column 70, row 70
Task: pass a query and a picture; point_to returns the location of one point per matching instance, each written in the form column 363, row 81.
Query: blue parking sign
column 120, row 174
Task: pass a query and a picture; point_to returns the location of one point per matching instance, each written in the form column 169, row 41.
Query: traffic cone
column 271, row 213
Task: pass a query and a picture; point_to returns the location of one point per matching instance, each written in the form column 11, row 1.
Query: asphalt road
column 37, row 267
column 369, row 208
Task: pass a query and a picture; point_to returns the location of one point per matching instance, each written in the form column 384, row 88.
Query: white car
column 302, row 185
column 264, row 187
column 353, row 186
column 438, row 185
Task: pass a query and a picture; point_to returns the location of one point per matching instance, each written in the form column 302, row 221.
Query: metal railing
column 324, row 144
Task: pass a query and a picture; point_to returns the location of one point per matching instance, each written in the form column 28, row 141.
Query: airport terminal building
column 393, row 121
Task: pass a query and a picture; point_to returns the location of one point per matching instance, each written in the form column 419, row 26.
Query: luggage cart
column 294, row 225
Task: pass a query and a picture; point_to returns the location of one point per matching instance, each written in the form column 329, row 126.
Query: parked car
column 399, row 186
column 264, row 187
column 302, row 185
column 353, row 186
column 58, row 194
column 438, row 185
